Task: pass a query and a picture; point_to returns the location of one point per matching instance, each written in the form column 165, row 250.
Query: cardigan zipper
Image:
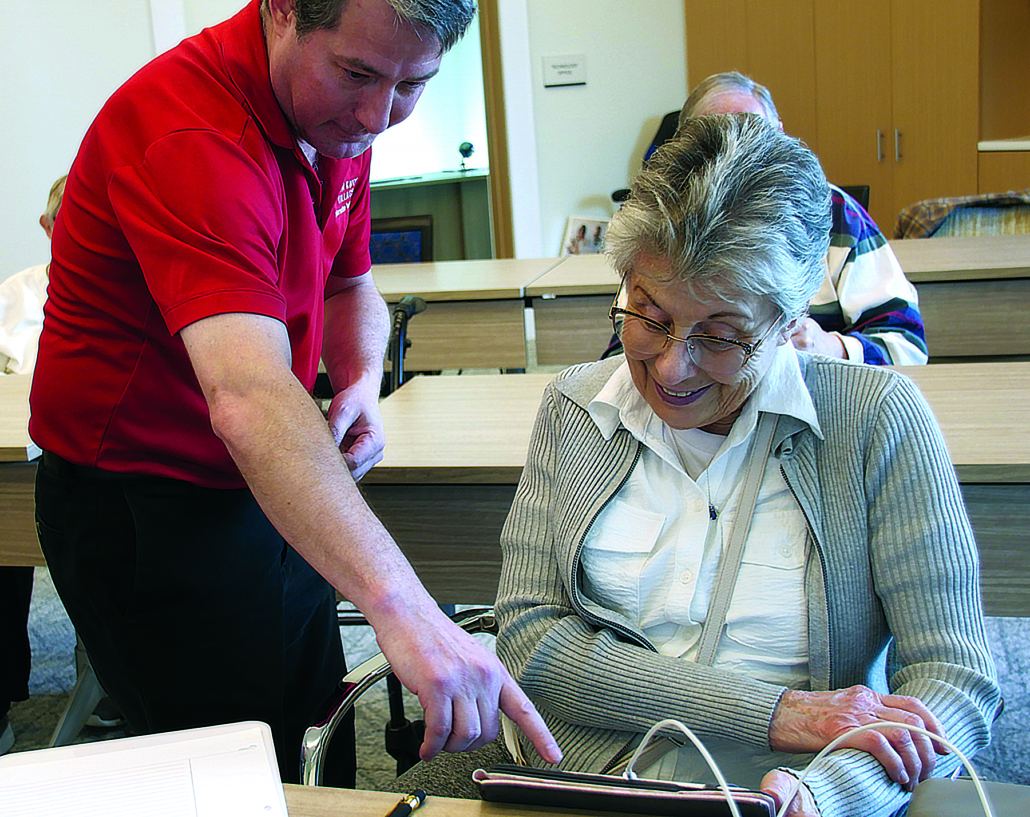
column 822, row 563
column 578, row 607
column 579, row 551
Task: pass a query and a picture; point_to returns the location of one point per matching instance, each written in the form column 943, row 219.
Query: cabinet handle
column 897, row 145
column 879, row 146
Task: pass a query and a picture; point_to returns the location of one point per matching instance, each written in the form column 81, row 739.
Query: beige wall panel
column 1004, row 69
column 1001, row 171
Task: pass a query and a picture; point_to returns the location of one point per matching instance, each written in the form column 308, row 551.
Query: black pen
column 408, row 804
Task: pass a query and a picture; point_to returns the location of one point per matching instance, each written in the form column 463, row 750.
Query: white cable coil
column 724, row 786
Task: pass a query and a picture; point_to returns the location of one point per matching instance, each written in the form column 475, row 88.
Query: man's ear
column 282, row 13
column 47, row 226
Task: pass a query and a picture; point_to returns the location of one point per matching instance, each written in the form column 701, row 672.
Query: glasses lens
column 716, row 356
column 638, row 335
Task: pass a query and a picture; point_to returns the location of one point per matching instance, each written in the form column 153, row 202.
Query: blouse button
column 686, row 576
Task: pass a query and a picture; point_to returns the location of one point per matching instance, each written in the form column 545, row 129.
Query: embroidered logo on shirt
column 343, row 200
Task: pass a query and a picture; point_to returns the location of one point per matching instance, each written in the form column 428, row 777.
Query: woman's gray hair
column 726, row 82
column 734, row 206
column 447, row 20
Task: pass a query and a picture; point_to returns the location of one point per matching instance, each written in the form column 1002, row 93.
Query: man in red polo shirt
column 213, row 244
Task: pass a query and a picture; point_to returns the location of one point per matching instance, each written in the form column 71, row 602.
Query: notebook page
column 206, row 772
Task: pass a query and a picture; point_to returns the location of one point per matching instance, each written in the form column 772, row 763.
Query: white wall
column 590, row 139
column 60, row 60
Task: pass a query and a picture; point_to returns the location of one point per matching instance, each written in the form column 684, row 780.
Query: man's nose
column 375, row 108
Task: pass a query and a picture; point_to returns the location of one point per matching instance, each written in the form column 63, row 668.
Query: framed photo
column 583, row 236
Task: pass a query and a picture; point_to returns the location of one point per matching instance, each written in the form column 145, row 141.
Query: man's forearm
column 355, row 333
column 286, row 453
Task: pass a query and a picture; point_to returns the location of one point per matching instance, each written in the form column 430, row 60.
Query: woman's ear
column 787, row 332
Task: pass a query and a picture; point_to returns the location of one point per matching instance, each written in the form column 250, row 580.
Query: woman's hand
column 808, row 721
column 779, row 785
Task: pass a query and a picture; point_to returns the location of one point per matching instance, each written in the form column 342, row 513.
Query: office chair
column 859, row 192
column 356, row 683
column 666, row 130
column 401, row 240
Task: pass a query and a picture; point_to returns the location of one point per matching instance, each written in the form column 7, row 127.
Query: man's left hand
column 809, row 336
column 357, row 427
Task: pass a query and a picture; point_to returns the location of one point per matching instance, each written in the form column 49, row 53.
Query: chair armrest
column 356, row 683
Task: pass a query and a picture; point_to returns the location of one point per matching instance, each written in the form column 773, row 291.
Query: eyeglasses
column 648, row 338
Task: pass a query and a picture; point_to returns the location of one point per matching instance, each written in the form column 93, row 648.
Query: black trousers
column 15, row 655
column 192, row 608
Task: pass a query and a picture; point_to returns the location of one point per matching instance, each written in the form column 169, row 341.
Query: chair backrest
column 666, row 130
column 859, row 192
column 401, row 240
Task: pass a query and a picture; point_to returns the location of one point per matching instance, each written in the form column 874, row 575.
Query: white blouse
column 653, row 552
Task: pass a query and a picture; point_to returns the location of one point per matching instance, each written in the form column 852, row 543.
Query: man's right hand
column 461, row 685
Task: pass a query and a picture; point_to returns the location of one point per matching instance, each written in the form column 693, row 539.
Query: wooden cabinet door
column 853, row 98
column 936, row 90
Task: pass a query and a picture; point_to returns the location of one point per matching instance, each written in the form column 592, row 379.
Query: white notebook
column 216, row 771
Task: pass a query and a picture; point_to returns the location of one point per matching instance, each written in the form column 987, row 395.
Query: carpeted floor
column 53, row 676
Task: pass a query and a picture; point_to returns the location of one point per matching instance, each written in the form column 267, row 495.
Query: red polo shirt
column 189, row 198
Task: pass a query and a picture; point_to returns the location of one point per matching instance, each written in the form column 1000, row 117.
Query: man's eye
column 355, row 76
column 413, row 87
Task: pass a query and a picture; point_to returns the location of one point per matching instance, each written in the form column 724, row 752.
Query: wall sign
column 570, row 69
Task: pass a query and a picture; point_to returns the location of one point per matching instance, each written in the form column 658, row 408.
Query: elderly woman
column 720, row 529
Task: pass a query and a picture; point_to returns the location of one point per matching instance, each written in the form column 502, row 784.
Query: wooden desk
column 312, row 801
column 974, row 295
column 456, row 447
column 454, row 453
column 18, row 545
column 475, row 317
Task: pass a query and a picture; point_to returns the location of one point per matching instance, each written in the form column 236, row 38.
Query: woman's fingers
column 808, row 721
column 779, row 785
column 920, row 710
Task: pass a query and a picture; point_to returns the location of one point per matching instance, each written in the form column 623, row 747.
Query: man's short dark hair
column 447, row 20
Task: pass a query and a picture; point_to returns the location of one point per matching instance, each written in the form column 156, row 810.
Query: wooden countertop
column 476, row 429
column 15, row 445
column 475, row 280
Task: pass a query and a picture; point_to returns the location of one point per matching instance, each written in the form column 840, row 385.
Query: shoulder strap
column 726, row 578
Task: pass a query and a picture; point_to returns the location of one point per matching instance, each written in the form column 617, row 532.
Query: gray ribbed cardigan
column 893, row 555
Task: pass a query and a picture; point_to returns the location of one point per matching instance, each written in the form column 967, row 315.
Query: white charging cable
column 833, row 744
column 724, row 786
column 672, row 723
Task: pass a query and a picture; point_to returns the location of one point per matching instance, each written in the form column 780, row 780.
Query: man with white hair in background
column 866, row 310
